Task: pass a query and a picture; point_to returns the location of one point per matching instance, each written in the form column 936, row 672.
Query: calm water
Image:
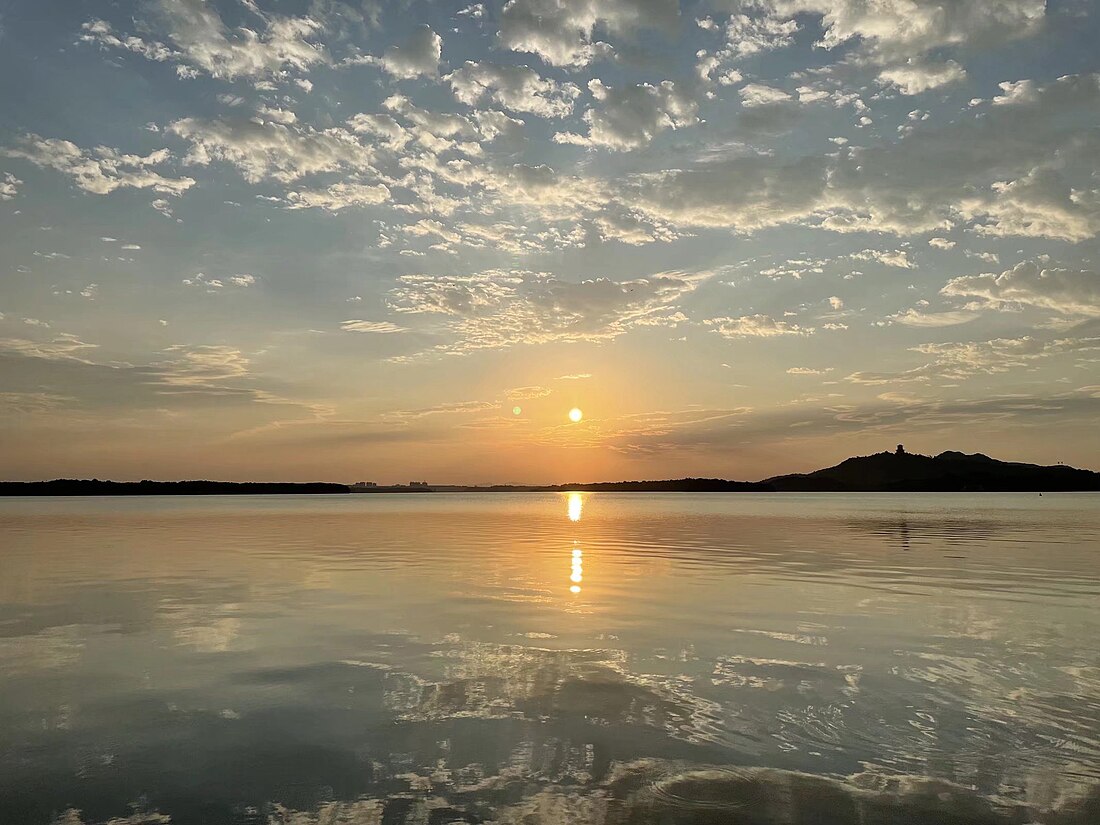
column 550, row 659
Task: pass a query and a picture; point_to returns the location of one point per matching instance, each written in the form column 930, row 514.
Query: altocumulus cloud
column 496, row 309
column 358, row 325
column 1033, row 283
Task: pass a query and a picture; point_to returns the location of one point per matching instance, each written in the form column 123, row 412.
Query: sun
column 575, row 415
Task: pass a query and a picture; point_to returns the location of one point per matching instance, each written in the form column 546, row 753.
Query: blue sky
column 346, row 240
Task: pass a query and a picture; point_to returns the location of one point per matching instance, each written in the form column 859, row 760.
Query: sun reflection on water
column 576, row 573
column 576, row 506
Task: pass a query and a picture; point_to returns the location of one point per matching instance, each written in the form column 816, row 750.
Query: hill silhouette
column 949, row 471
column 897, row 472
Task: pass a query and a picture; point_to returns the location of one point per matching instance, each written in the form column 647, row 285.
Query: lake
column 543, row 659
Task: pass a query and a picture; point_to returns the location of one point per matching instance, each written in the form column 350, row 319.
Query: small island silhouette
column 886, row 472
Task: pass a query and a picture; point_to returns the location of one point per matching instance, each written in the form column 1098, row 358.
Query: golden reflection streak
column 576, row 574
column 576, row 505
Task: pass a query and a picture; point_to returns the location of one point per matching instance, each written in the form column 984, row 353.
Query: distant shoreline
column 896, row 472
column 95, row 487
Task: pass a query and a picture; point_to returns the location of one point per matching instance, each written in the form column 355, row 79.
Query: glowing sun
column 575, row 415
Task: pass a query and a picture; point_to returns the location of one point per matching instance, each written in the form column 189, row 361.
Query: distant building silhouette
column 418, row 484
column 365, row 484
column 900, row 450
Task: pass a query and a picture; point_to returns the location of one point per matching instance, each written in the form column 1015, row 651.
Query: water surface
column 551, row 658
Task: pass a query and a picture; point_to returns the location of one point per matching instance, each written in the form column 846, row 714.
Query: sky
column 360, row 240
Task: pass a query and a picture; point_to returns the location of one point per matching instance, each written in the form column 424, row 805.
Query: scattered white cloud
column 339, row 196
column 629, row 117
column 527, row 393
column 915, row 77
column 757, row 94
column 516, row 88
column 278, row 151
column 9, row 186
column 101, row 170
column 418, row 56
column 497, row 309
column 887, row 257
column 1034, row 284
column 923, row 318
column 201, row 42
column 201, row 279
column 358, row 325
column 892, row 29
column 62, row 347
column 562, row 32
column 957, row 361
column 755, row 326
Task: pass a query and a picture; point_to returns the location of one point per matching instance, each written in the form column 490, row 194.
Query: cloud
column 339, row 196
column 497, row 309
column 9, row 186
column 891, row 29
column 417, row 56
column 435, row 131
column 201, row 42
column 562, row 32
column 887, row 257
column 1043, row 203
column 527, row 393
column 516, row 88
column 920, row 318
column 358, row 325
column 755, row 326
column 100, row 32
column 629, row 117
column 757, row 94
column 278, row 151
column 202, row 369
column 745, row 35
column 63, row 347
column 1017, row 92
column 452, row 408
column 162, row 206
column 201, row 279
column 101, row 170
column 1015, row 171
column 915, row 77
column 30, row 403
column 957, row 361
column 748, row 35
column 1033, row 283
column 808, row 371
